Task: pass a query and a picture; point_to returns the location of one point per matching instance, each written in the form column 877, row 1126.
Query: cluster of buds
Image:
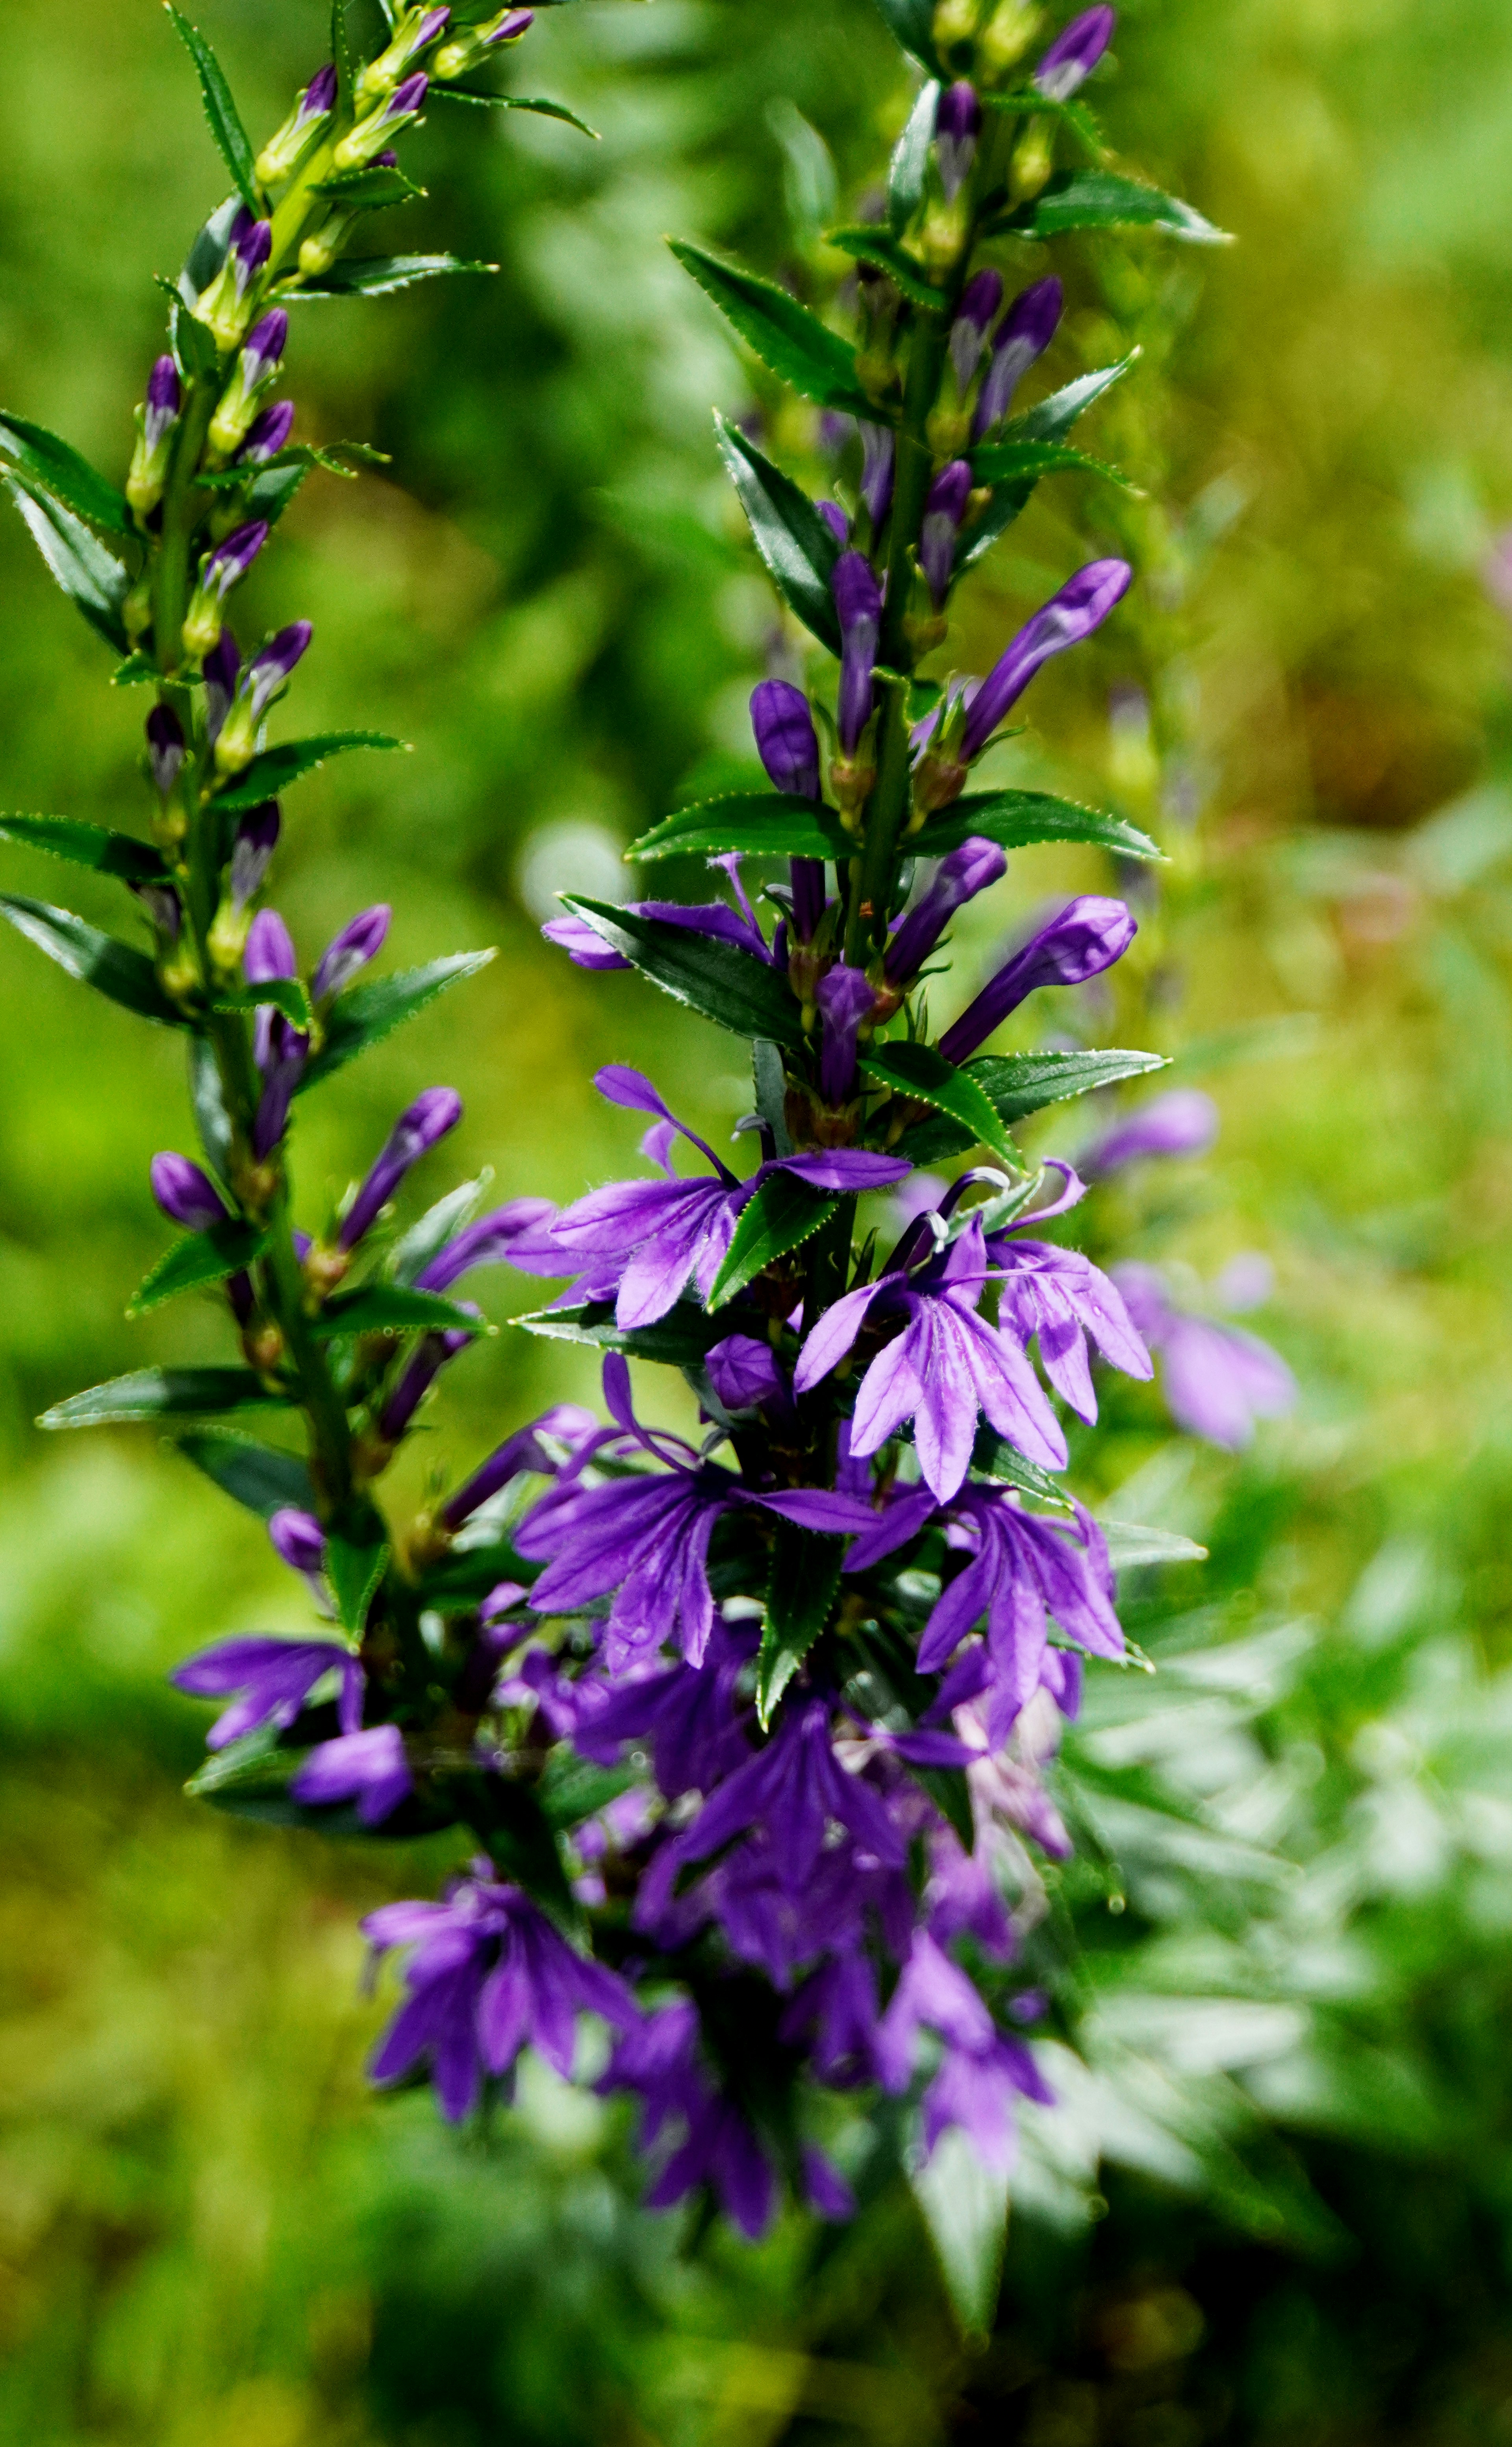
column 257, row 369
column 282, row 153
column 227, row 305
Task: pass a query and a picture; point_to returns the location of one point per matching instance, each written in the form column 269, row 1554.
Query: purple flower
column 486, row 1242
column 657, row 2058
column 790, row 1791
column 407, row 98
column 567, row 1424
column 298, row 1541
column 1218, row 1379
column 279, row 1049
column 250, row 246
column 281, row 153
column 360, row 941
column 943, row 1363
column 858, row 604
column 221, row 666
column 846, row 999
column 368, row 1768
column 943, row 513
column 1074, row 54
column 166, row 747
column 786, row 739
column 980, row 301
column 641, row 1242
column 1088, row 936
column 1024, row 334
column 835, row 519
column 878, row 465
column 434, row 1112
column 1062, row 1298
column 268, row 435
column 983, row 2068
column 488, row 1974
column 273, row 664
column 807, row 878
column 273, row 1678
column 957, row 121
column 270, row 951
column 221, row 570
column 744, row 1375
column 256, row 840
column 319, row 96
column 584, row 946
column 186, row 1194
column 689, row 1717
column 1024, row 1571
column 508, row 28
column 424, row 1364
column 960, row 874
column 1183, row 1122
column 262, row 351
column 165, row 400
column 1081, row 605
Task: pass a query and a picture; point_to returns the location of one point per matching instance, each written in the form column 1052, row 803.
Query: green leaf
column 44, row 459
column 289, row 995
column 680, row 1339
column 789, row 339
column 514, row 101
column 919, row 1071
column 783, row 1213
column 1017, row 1084
column 300, row 455
column 793, row 540
column 258, row 1476
column 205, row 257
column 273, row 490
column 250, row 1779
column 1016, row 818
column 1131, row 1547
column 715, row 979
column 965, row 2208
column 871, row 244
column 207, row 1095
column 1021, row 464
column 114, row 969
column 225, row 122
column 1078, row 200
column 85, row 844
column 413, row 1252
column 379, row 275
column 369, row 189
column 911, row 23
column 765, row 824
column 137, row 670
column 1052, row 417
column 160, row 1394
column 370, row 1013
column 572, row 1789
column 95, row 582
column 910, row 162
column 272, row 773
column 202, row 1258
column 392, row 1308
column 342, row 62
column 805, row 1575
column 354, row 1568
column 993, row 1459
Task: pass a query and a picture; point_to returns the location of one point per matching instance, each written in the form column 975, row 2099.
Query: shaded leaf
column 965, row 2208
column 342, row 60
column 804, row 1578
column 919, row 1070
column 680, row 1339
column 220, row 111
column 354, row 1568
column 911, row 23
column 370, row 1013
column 469, row 1572
column 44, row 459
column 725, row 984
column 392, row 1308
column 114, row 969
column 1078, row 200
column 190, row 1263
column 1017, row 1084
column 95, row 582
column 514, row 101
column 137, row 670
column 272, row 491
column 572, row 1789
column 793, row 540
column 868, row 243
column 207, row 1095
column 413, row 1252
column 765, row 824
column 1016, row 818
column 85, row 844
column 905, row 172
column 277, row 768
column 289, row 995
column 789, row 339
column 1025, row 462
column 252, row 1782
column 379, row 275
column 1051, row 417
column 370, row 188
column 258, row 1476
column 333, row 458
column 160, row 1394
column 993, row 1458
column 1130, row 1547
column 783, row 1213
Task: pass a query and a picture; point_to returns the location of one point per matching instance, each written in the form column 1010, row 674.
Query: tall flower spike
column 1024, row 334
column 1081, row 606
column 943, row 512
column 1074, row 54
column 434, row 1112
column 957, row 121
column 859, row 603
column 958, row 878
column 1088, row 936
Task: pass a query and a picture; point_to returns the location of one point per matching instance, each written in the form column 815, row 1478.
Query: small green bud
column 227, row 940
column 954, row 22
column 282, row 153
column 1033, row 160
column 1005, row 38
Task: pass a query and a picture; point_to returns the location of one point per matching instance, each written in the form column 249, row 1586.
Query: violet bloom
column 220, row 571
column 983, row 2068
column 658, row 2059
column 268, row 671
column 166, row 747
column 1088, row 936
column 846, row 999
column 164, row 403
column 262, row 351
column 299, row 1540
column 1081, row 605
column 360, row 941
column 943, row 1364
column 740, row 927
column 434, row 1112
column 488, row 1242
column 584, row 946
column 268, row 435
column 186, row 1194
column 273, row 1678
column 250, row 246
column 256, row 840
column 367, row 1768
column 878, row 465
column 421, row 1369
column 959, row 877
column 640, row 1243
column 1025, row 1571
column 858, row 604
column 279, row 1049
column 1023, row 336
column 689, row 1717
column 943, row 512
column 281, row 153
column 786, row 739
column 1062, row 1298
column 744, row 1375
column 1074, row 54
column 790, row 1791
column 488, row 1974
column 567, row 1424
column 222, row 668
column 957, row 123
column 980, row 301
column 1217, row 1379
column 1183, row 1122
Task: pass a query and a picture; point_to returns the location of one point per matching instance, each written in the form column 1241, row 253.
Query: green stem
column 322, row 1404
column 181, row 517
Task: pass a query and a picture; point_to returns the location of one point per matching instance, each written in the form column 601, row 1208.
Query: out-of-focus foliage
column 1295, row 2026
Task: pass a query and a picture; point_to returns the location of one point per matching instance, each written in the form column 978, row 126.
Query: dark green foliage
column 791, row 343
column 190, row 1264
column 716, row 980
column 277, row 768
column 113, row 969
column 793, row 540
column 224, row 122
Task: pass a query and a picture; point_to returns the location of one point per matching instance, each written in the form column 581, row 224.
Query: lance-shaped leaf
column 965, row 2207
column 911, row 23
column 885, row 253
column 783, row 1214
column 95, row 582
column 713, row 978
column 992, row 1457
column 342, row 60
column 355, row 1565
column 680, row 1339
column 220, row 111
column 804, row 1578
column 273, row 490
column 765, row 824
column 792, row 539
column 370, row 189
column 918, row 1070
column 1017, row 1084
column 113, row 969
column 1021, row 464
column 203, row 1258
column 910, row 162
column 370, row 1013
column 514, row 101
column 1015, row 817
column 572, row 1788
column 44, row 459
column 1049, row 419
column 1078, row 200
column 1132, row 1547
column 273, row 772
column 250, row 1779
column 85, row 844
column 258, row 1476
column 137, row 670
column 392, row 1308
column 164, row 1394
column 792, row 341
column 379, row 275
column 303, row 456
column 289, row 995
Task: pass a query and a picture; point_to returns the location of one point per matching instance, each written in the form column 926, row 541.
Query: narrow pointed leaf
column 161, row 1393
column 370, row 1013
column 336, row 458
column 137, row 670
column 289, row 995
column 1016, row 818
column 765, row 824
column 878, row 247
column 392, row 1308
column 715, row 979
column 1078, row 200
column 273, row 490
column 1052, row 417
column 911, row 23
column 784, row 1214
column 515, row 101
column 113, row 969
column 354, row 1569
column 680, row 1339
column 1131, row 1547
column 910, row 162
column 1022, row 464
column 572, row 1789
column 792, row 539
column 919, row 1071
column 252, row 1780
column 220, row 111
column 379, row 275
column 85, row 844
column 258, row 1476
column 426, row 1239
column 203, row 1258
column 342, row 62
column 44, row 459
column 1017, row 1084
column 992, row 1457
column 804, row 1578
column 965, row 2208
column 789, row 340
column 369, row 189
column 95, row 582
column 277, row 768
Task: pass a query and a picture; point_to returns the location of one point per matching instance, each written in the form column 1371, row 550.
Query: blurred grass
column 207, row 2229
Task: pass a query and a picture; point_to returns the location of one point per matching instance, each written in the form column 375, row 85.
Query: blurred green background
column 1277, row 2203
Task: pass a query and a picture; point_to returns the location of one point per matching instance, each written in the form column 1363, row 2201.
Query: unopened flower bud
column 160, row 903
column 957, row 123
column 1074, row 54
column 281, row 156
column 149, row 461
column 256, row 367
column 371, row 134
column 268, row 435
column 186, row 1194
column 417, row 30
column 218, row 573
column 1088, row 936
column 1023, row 336
column 878, row 465
column 257, row 836
column 980, row 301
column 846, row 998
column 943, row 513
column 957, row 879
column 1006, row 37
column 360, row 941
column 454, row 59
column 432, row 1114
column 954, row 23
column 858, row 604
column 786, row 739
column 220, row 668
column 225, row 307
column 1033, row 160
column 267, row 671
column 166, row 747
column 1080, row 606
